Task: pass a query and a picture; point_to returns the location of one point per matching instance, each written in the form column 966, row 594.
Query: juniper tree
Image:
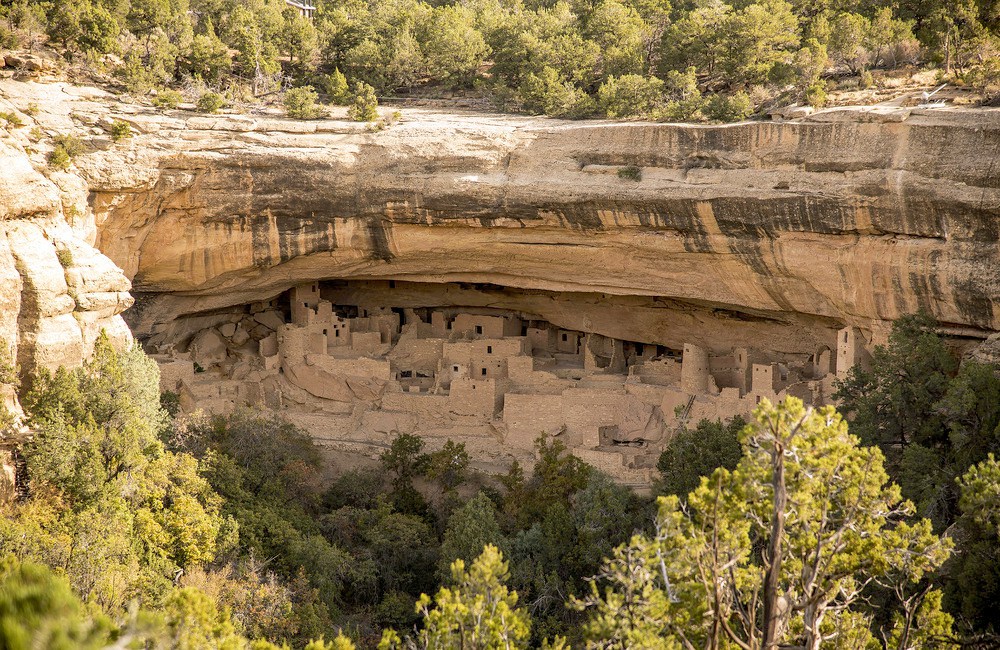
column 830, row 524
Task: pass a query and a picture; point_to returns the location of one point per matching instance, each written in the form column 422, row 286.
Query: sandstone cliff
column 57, row 291
column 771, row 233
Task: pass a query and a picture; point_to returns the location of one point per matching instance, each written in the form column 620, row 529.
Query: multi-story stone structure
column 360, row 374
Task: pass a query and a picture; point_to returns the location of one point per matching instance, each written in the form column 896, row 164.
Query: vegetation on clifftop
column 680, row 60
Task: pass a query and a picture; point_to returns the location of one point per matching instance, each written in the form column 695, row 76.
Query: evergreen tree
column 478, row 612
column 819, row 507
column 470, row 528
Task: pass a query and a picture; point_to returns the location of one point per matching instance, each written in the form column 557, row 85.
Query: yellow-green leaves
column 981, row 491
column 699, row 579
column 478, row 612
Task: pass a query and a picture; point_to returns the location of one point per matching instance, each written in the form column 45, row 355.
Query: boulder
column 239, row 336
column 208, row 348
column 270, row 319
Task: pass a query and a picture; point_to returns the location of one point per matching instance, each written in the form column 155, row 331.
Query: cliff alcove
column 359, row 362
column 770, row 240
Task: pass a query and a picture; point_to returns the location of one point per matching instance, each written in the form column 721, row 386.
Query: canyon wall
column 776, row 234
column 57, row 291
column 852, row 218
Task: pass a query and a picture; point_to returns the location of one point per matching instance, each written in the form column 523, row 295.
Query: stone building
column 363, row 373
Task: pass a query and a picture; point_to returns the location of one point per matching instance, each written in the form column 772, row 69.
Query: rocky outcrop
column 777, row 233
column 759, row 258
column 845, row 219
column 57, row 291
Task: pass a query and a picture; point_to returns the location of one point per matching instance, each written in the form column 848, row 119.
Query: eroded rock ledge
column 57, row 291
column 771, row 237
column 849, row 219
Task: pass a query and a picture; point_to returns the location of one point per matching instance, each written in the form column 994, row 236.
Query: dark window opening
column 479, row 329
column 336, row 333
column 489, row 349
column 392, row 284
column 524, row 330
column 565, row 338
column 405, row 374
column 324, row 332
column 484, row 372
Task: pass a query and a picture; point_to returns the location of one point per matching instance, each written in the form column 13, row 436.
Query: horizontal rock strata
column 778, row 233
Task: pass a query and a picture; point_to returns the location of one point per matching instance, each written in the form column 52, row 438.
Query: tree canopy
column 226, row 532
column 615, row 58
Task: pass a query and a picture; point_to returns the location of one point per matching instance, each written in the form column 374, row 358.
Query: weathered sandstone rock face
column 768, row 238
column 57, row 291
column 849, row 219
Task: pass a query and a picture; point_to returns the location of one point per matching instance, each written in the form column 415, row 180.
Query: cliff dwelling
column 358, row 362
column 490, row 278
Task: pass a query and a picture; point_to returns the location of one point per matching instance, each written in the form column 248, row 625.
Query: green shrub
column 300, row 103
column 364, row 108
column 59, row 159
column 211, row 102
column 71, row 144
column 694, row 453
column 66, row 148
column 548, row 93
column 167, row 99
column 629, row 95
column 334, row 85
column 12, row 119
column 684, row 110
column 8, row 39
column 32, row 109
column 867, row 79
column 170, row 402
column 815, row 94
column 986, row 77
column 630, row 173
column 385, row 122
column 135, row 75
column 120, row 130
column 38, row 609
column 729, row 108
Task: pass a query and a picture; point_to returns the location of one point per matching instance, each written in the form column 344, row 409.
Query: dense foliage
column 693, row 453
column 207, row 532
column 686, row 59
column 224, row 529
column 937, row 421
column 777, row 552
